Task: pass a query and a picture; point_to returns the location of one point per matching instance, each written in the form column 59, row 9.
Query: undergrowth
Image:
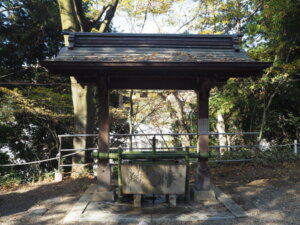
column 14, row 178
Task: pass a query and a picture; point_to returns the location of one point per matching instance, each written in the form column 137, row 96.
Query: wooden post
column 202, row 171
column 172, row 200
column 103, row 170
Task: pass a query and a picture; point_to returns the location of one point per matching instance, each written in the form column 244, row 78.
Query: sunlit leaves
column 137, row 12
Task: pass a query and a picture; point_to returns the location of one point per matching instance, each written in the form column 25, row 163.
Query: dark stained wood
column 103, row 169
column 222, row 69
column 202, row 171
column 153, row 83
column 103, row 120
column 150, row 40
column 212, row 66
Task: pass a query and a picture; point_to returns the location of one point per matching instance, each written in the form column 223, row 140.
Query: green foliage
column 31, row 116
column 138, row 12
column 4, row 159
column 48, row 176
column 237, row 154
column 28, row 33
column 9, row 180
column 276, row 26
column 275, row 155
column 271, row 35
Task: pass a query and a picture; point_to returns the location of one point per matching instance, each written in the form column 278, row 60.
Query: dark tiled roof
column 129, row 54
column 153, row 61
column 114, row 47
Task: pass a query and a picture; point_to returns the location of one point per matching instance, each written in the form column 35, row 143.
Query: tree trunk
column 183, row 121
column 110, row 13
column 221, row 129
column 130, row 119
column 83, row 105
column 84, row 110
column 266, row 108
column 73, row 19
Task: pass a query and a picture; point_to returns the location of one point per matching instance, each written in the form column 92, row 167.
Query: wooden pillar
column 103, row 170
column 202, row 170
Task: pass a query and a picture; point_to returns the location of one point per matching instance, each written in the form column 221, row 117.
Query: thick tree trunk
column 84, row 107
column 68, row 17
column 84, row 110
column 73, row 19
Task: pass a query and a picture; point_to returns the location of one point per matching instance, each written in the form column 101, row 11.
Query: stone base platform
column 89, row 209
column 204, row 195
column 99, row 196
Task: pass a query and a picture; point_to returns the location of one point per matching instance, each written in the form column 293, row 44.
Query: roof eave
column 65, row 67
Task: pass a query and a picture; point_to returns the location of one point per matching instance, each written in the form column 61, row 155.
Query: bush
column 276, row 155
column 9, row 180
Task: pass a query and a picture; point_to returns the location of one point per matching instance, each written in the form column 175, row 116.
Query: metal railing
column 59, row 156
column 152, row 142
column 159, row 134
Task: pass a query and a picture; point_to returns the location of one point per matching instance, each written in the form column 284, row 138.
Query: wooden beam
column 163, row 82
column 235, row 69
column 152, row 40
column 103, row 170
column 202, row 171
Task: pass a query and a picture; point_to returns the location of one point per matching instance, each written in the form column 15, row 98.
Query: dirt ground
column 270, row 195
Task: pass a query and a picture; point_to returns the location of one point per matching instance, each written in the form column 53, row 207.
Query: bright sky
column 157, row 23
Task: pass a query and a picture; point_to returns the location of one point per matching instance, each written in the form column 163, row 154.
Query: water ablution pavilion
column 161, row 62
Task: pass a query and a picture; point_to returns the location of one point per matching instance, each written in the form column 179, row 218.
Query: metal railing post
column 187, row 178
column 120, row 185
column 59, row 168
column 154, row 146
column 130, row 143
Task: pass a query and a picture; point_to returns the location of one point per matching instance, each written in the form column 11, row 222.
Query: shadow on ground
column 270, row 195
column 22, row 200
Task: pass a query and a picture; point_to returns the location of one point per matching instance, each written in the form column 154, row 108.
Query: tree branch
column 290, row 49
column 266, row 108
column 109, row 16
column 98, row 17
column 82, row 20
column 253, row 13
column 11, row 8
column 145, row 17
column 186, row 23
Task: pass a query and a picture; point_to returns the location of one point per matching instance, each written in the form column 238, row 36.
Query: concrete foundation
column 137, row 201
column 172, row 200
column 103, row 196
column 203, row 195
column 58, row 177
column 88, row 211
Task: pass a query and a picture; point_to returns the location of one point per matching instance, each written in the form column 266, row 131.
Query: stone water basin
column 153, row 179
